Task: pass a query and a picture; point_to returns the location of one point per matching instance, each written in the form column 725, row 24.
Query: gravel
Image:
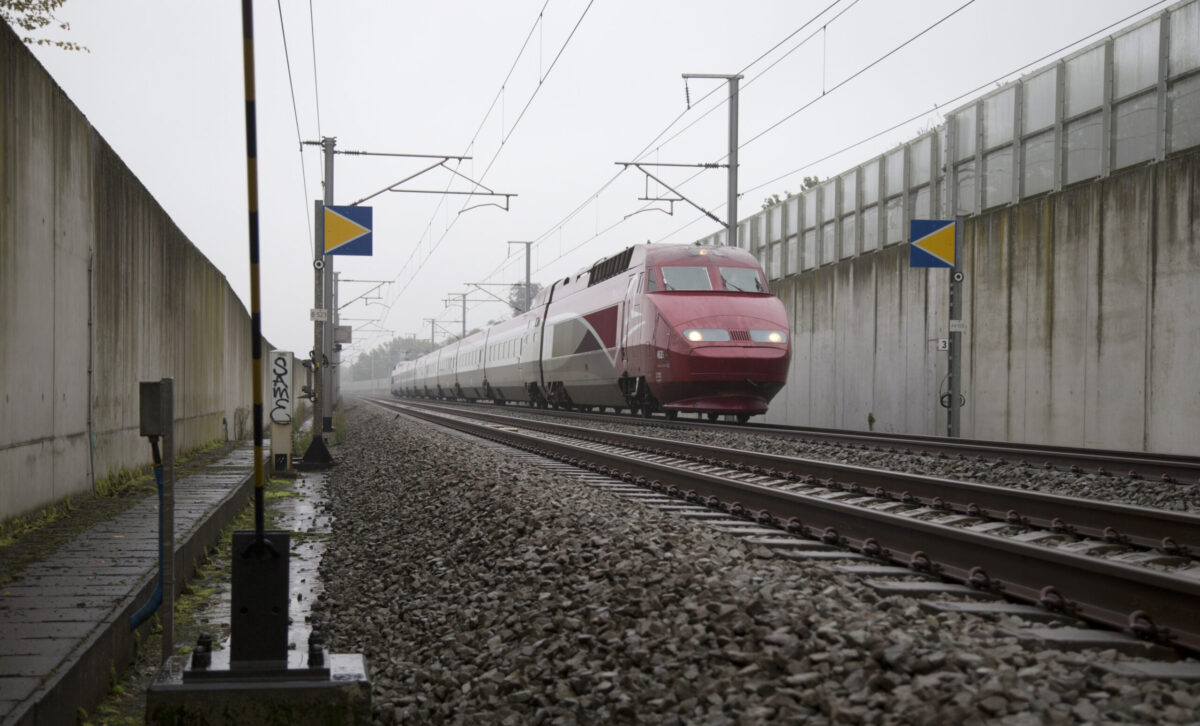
column 484, row 591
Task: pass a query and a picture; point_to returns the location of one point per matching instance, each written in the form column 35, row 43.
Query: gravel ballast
column 484, row 591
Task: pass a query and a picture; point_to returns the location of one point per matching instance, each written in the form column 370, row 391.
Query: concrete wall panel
column 1173, row 406
column 889, row 405
column 159, row 307
column 1119, row 351
column 990, row 323
column 823, row 359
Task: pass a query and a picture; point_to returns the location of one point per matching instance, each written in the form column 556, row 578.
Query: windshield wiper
column 728, row 284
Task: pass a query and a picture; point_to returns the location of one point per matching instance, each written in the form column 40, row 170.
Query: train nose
column 737, row 363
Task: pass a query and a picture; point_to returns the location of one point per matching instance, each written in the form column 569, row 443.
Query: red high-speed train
column 655, row 328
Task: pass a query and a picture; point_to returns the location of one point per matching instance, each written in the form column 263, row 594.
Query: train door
column 633, row 315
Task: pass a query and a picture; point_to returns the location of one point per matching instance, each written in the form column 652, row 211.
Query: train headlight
column 768, row 336
column 706, row 335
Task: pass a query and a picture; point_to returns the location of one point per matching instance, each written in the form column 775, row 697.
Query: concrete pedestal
column 282, row 696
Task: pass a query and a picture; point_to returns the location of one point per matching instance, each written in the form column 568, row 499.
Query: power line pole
column 327, row 144
column 525, row 301
column 731, row 234
column 463, row 297
column 318, row 452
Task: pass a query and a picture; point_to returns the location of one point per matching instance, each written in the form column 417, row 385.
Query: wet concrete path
column 64, row 623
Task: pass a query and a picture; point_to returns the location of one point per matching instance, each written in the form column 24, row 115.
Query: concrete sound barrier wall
column 1083, row 323
column 98, row 290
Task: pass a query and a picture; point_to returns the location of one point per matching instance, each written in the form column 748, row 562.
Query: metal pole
column 256, row 372
column 526, row 298
column 464, row 315
column 731, row 236
column 166, row 403
column 336, row 373
column 328, row 143
column 956, row 277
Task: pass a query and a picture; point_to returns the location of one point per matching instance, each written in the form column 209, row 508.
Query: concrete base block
column 344, row 698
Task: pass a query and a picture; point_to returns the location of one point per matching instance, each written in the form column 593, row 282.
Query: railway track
column 1129, row 568
column 1173, row 468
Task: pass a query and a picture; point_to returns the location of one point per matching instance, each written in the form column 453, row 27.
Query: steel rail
column 1150, row 603
column 1175, row 533
column 1171, row 468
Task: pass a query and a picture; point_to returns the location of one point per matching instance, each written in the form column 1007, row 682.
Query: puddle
column 310, row 528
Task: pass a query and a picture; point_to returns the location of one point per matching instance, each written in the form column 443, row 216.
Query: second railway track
column 1126, row 567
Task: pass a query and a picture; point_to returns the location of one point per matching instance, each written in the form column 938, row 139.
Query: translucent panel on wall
column 1083, row 148
column 793, row 215
column 894, row 222
column 965, row 180
column 776, row 260
column 849, row 237
column 938, row 196
column 1135, row 126
column 998, row 113
column 1135, row 60
column 895, row 172
column 1183, row 113
column 919, row 204
column 964, row 134
column 828, row 200
column 870, row 182
column 810, row 249
column 828, row 242
column 997, row 177
column 849, row 192
column 775, row 215
column 1184, row 53
column 918, row 161
column 1039, row 100
column 793, row 255
column 1085, row 81
column 744, row 235
column 810, row 208
column 1039, row 163
column 870, row 229
column 760, row 228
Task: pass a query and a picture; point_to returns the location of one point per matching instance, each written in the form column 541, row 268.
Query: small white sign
column 318, row 315
column 943, row 344
column 958, row 326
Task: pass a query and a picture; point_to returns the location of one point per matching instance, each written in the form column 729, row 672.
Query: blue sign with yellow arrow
column 348, row 231
column 931, row 243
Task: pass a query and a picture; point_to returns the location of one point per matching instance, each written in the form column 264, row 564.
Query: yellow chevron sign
column 348, row 230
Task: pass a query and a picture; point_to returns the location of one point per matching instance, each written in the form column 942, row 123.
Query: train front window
column 742, row 279
column 686, row 278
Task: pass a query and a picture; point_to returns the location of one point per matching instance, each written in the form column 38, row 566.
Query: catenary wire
column 981, row 87
column 512, row 129
column 312, row 34
column 650, row 146
column 296, row 116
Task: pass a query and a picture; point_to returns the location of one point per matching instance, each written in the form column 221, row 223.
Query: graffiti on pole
column 281, row 387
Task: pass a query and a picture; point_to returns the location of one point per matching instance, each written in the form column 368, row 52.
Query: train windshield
column 741, row 279
column 686, row 278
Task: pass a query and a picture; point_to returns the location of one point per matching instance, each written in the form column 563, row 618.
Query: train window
column 686, row 278
column 651, row 281
column 741, row 279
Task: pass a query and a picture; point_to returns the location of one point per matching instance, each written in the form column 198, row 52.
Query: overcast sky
column 163, row 85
